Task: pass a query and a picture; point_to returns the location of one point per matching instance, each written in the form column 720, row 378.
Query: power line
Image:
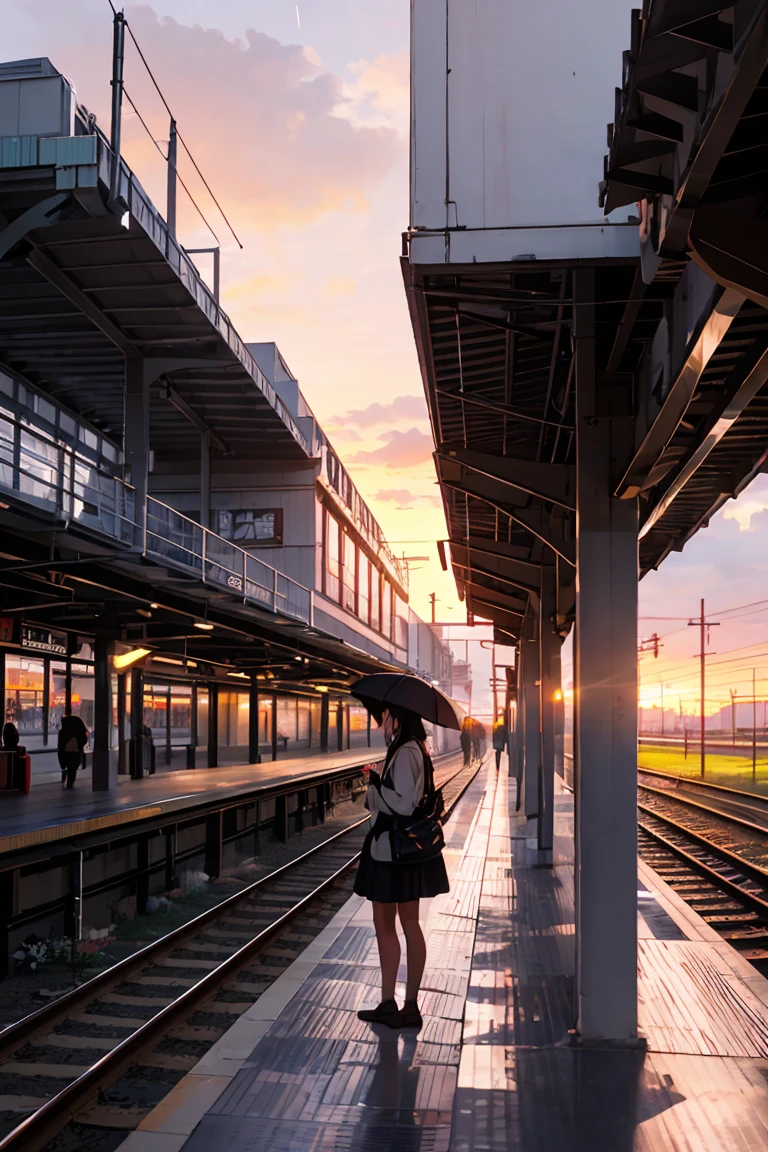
column 156, row 144
column 179, row 135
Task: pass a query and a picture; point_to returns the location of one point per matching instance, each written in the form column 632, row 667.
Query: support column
column 324, row 710
column 9, row 906
column 605, row 697
column 142, row 874
column 274, row 727
column 136, row 438
column 519, row 724
column 253, row 721
column 171, row 880
column 214, row 844
column 104, row 772
column 137, row 720
column 549, row 653
column 529, row 646
column 205, row 479
column 213, row 726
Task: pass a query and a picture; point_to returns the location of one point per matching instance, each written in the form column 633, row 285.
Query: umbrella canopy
column 384, row 688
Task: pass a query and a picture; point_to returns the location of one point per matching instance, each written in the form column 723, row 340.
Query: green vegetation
column 720, row 768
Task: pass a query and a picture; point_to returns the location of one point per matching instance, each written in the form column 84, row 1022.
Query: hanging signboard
column 42, row 640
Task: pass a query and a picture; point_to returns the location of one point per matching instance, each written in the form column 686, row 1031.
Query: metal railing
column 185, row 544
column 50, row 476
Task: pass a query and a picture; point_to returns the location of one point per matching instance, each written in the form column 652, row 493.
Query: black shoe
column 410, row 1017
column 385, row 1013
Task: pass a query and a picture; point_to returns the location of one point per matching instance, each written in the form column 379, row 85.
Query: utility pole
column 652, row 644
column 432, row 602
column 662, row 709
column 733, row 716
column 754, row 730
column 118, row 54
column 172, row 150
column 703, row 625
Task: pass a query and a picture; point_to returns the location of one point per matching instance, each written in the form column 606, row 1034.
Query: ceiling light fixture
column 125, row 659
column 203, row 625
column 240, row 675
column 167, row 660
column 154, row 605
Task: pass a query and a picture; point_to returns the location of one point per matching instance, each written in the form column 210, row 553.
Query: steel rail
column 34, row 1133
column 708, row 785
column 689, row 802
column 749, row 871
column 50, row 1014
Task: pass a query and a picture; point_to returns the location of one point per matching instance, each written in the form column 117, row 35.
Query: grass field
column 734, row 771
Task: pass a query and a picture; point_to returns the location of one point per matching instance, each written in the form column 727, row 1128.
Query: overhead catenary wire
column 179, row 136
column 147, row 129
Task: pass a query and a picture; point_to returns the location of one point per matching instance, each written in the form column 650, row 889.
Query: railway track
column 83, row 1071
column 716, row 860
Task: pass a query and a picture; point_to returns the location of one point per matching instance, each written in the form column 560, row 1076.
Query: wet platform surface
column 51, row 812
column 492, row 1069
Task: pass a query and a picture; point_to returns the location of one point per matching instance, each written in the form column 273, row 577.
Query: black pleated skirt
column 394, row 883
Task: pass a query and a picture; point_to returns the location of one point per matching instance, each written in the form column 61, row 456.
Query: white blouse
column 402, row 790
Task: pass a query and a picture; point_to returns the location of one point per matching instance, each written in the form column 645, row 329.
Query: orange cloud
column 262, row 118
column 401, row 408
column 400, row 450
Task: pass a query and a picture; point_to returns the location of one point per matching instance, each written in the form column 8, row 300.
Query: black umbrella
column 384, row 688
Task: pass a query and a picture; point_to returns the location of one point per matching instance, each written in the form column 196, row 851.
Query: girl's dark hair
column 411, row 727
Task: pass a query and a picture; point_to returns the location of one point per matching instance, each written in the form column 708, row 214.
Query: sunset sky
column 299, row 118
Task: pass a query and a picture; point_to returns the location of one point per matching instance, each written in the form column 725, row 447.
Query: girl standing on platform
column 395, row 888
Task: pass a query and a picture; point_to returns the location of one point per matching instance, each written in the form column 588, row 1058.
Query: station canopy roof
column 683, row 320
column 83, row 285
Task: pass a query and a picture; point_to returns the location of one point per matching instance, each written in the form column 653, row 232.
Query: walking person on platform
column 73, row 737
column 499, row 738
column 465, row 739
column 395, row 887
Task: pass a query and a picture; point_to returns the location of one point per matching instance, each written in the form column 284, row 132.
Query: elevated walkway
column 493, row 1068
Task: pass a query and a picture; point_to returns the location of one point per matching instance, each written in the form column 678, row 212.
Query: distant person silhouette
column 10, row 737
column 73, row 737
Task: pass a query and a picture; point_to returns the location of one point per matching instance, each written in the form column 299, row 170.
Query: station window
column 349, row 599
column 265, row 725
column 83, row 693
column 332, row 558
column 25, row 698
column 314, row 722
column 375, row 598
column 401, row 622
column 358, row 727
column 363, row 587
column 254, row 527
column 386, row 607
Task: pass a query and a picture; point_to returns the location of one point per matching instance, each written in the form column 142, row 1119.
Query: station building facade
column 223, row 606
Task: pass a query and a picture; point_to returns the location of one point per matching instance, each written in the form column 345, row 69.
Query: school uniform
column 398, row 793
